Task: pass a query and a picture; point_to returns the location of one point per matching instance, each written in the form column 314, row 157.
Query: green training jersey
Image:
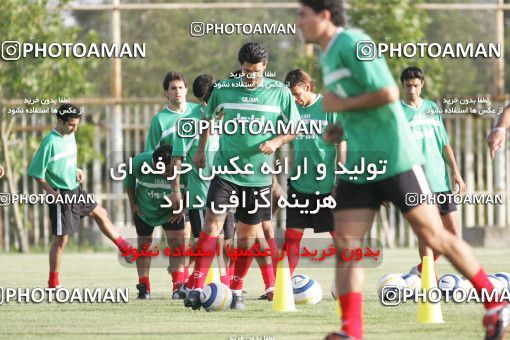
column 268, row 103
column 316, row 151
column 150, row 190
column 375, row 134
column 55, row 161
column 163, row 128
column 429, row 132
column 187, row 148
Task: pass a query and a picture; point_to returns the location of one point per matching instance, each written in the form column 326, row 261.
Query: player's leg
column 351, row 227
column 57, row 248
column 100, row 216
column 143, row 263
column 174, row 233
column 187, row 239
column 246, row 237
column 229, row 232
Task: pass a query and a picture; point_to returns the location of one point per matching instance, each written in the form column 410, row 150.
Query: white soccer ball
column 413, row 281
column 504, row 277
column 216, row 297
column 449, row 282
column 498, row 284
column 395, row 280
column 466, row 284
column 306, row 290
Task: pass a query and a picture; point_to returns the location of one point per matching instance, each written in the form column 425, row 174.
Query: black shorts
column 398, row 189
column 197, row 220
column 65, row 217
column 143, row 229
column 221, row 190
column 447, row 206
column 320, row 222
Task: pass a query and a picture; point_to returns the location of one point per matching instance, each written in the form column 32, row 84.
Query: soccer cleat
column 415, row 271
column 237, row 302
column 268, row 295
column 180, row 293
column 193, row 300
column 143, row 293
column 496, row 321
column 339, row 335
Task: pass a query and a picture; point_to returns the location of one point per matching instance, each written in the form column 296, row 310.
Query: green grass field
column 162, row 317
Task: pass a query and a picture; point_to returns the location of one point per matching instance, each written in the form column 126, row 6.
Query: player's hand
column 80, row 175
column 459, row 182
column 199, row 159
column 269, row 147
column 496, row 140
column 176, row 199
column 333, row 134
column 331, row 102
column 135, row 210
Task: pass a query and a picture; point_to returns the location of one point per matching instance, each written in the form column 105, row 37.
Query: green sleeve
column 179, row 147
column 153, row 135
column 41, row 160
column 442, row 131
column 290, row 111
column 372, row 75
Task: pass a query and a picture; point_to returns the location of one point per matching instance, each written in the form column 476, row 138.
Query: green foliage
column 399, row 21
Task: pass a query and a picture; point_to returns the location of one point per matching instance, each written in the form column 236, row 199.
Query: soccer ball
column 391, row 280
column 498, row 283
column 449, row 282
column 505, row 278
column 466, row 284
column 306, row 290
column 216, row 297
column 413, row 281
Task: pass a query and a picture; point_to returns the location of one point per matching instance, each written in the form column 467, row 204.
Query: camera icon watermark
column 197, row 29
column 11, row 50
column 5, row 199
column 391, row 296
column 187, row 127
column 366, row 50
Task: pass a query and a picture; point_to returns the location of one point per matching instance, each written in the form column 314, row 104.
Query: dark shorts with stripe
column 143, row 229
column 197, row 220
column 447, row 206
column 399, row 189
column 66, row 216
column 320, row 222
column 221, row 190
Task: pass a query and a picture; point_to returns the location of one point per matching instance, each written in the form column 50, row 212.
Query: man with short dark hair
column 54, row 168
column 366, row 96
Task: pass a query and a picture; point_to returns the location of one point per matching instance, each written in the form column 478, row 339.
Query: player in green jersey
column 428, row 129
column 146, row 191
column 54, row 168
column 255, row 98
column 311, row 152
column 366, row 95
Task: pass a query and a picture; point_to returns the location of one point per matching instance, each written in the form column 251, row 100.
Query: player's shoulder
column 51, row 138
column 352, row 36
column 276, row 85
column 139, row 159
column 192, row 106
column 197, row 111
column 429, row 103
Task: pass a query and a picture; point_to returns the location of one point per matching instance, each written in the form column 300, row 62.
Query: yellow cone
column 213, row 275
column 338, row 309
column 428, row 312
column 283, row 299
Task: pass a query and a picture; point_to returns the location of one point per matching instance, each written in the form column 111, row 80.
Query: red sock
column 242, row 265
column 267, row 275
column 53, row 281
column 481, row 281
column 177, row 277
column 146, row 281
column 225, row 279
column 207, row 244
column 230, row 269
column 333, row 234
column 352, row 320
column 274, row 252
column 123, row 245
column 293, row 241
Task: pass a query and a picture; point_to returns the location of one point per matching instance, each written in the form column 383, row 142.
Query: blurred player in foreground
column 366, row 95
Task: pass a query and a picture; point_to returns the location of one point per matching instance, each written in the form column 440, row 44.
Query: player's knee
column 60, row 241
column 99, row 213
column 144, row 241
column 437, row 240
